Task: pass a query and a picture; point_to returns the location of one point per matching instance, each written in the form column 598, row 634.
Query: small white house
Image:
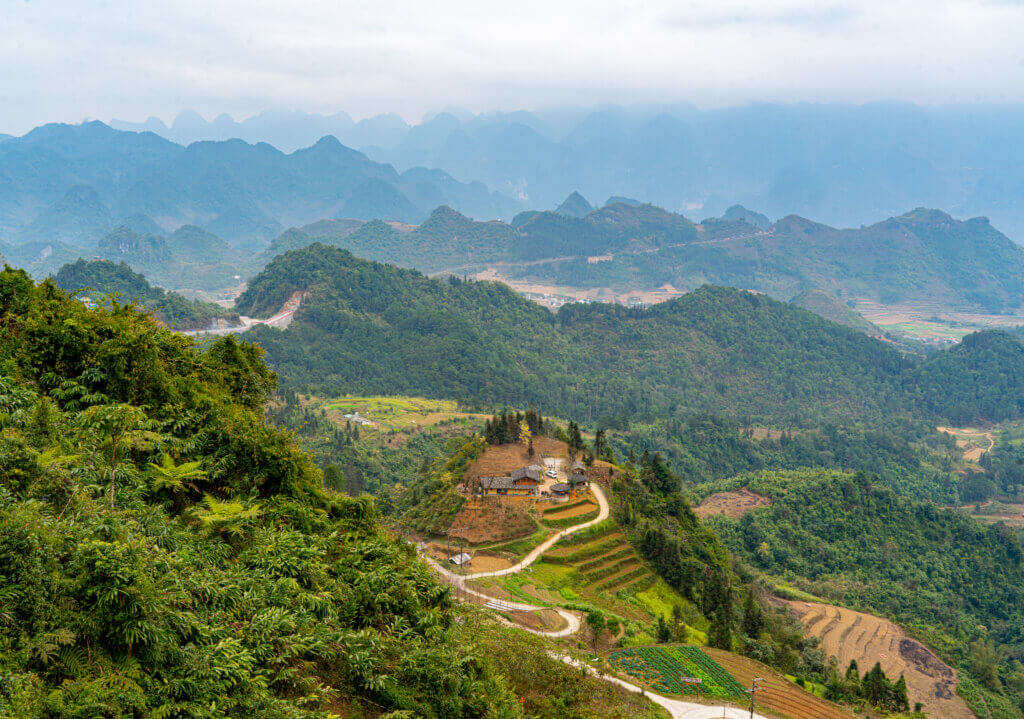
column 460, row 560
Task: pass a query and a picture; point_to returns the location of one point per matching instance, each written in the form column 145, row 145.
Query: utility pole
column 753, row 689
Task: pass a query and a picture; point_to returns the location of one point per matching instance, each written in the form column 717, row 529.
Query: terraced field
column 594, row 569
column 605, row 563
column 847, row 635
column 777, row 693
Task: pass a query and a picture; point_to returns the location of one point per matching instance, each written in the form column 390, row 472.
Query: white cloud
column 67, row 59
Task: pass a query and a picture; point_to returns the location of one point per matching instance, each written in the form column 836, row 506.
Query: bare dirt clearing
column 494, row 519
column 993, row 512
column 731, row 504
column 848, row 635
column 971, row 441
column 546, row 620
column 488, row 563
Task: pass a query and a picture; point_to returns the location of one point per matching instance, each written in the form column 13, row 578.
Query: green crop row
column 587, row 551
column 678, row 670
column 599, row 561
column 569, row 505
column 605, row 572
column 612, row 584
column 570, row 521
column 584, row 536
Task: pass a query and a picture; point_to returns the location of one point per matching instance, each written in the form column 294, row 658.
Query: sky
column 67, row 60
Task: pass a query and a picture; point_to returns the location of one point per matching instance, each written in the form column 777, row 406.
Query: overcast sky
column 65, row 60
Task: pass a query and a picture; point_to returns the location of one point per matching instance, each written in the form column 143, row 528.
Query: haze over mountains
column 210, row 215
column 923, row 258
column 75, row 183
column 843, row 165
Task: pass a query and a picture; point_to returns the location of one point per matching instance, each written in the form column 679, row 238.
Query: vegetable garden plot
column 678, row 670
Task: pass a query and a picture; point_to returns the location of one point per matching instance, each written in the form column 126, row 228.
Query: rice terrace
column 850, row 635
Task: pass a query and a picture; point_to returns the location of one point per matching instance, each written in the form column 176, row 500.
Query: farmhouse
column 460, row 560
column 527, row 476
column 523, row 483
column 578, row 479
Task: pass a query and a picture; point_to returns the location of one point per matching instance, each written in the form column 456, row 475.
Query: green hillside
column 575, row 205
column 367, row 327
column 980, row 378
column 165, row 552
column 103, row 277
column 831, row 308
column 189, row 258
column 79, row 217
column 924, row 257
column 330, row 232
column 40, row 259
column 956, row 583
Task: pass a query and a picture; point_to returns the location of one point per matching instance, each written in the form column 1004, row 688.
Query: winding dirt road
column 676, row 708
column 572, row 620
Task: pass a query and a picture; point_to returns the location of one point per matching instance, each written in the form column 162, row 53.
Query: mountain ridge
column 712, row 349
column 238, row 190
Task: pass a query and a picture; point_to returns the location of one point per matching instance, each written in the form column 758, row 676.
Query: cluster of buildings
column 527, row 481
column 356, row 418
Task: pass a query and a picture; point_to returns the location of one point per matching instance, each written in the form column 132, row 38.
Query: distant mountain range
column 75, row 183
column 840, row 164
column 923, row 258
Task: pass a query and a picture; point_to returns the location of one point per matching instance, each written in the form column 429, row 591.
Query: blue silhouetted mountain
column 73, row 183
column 79, row 218
column 575, row 205
column 739, row 213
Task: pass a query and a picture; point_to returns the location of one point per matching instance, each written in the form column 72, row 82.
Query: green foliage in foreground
column 847, row 537
column 103, row 277
column 163, row 552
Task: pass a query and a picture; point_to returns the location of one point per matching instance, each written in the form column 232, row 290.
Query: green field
column 397, row 414
column 677, row 670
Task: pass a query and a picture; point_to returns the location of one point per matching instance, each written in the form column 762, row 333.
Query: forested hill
column 368, row 327
column 847, row 537
column 166, row 553
column 829, row 307
column 924, row 257
column 102, row 278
